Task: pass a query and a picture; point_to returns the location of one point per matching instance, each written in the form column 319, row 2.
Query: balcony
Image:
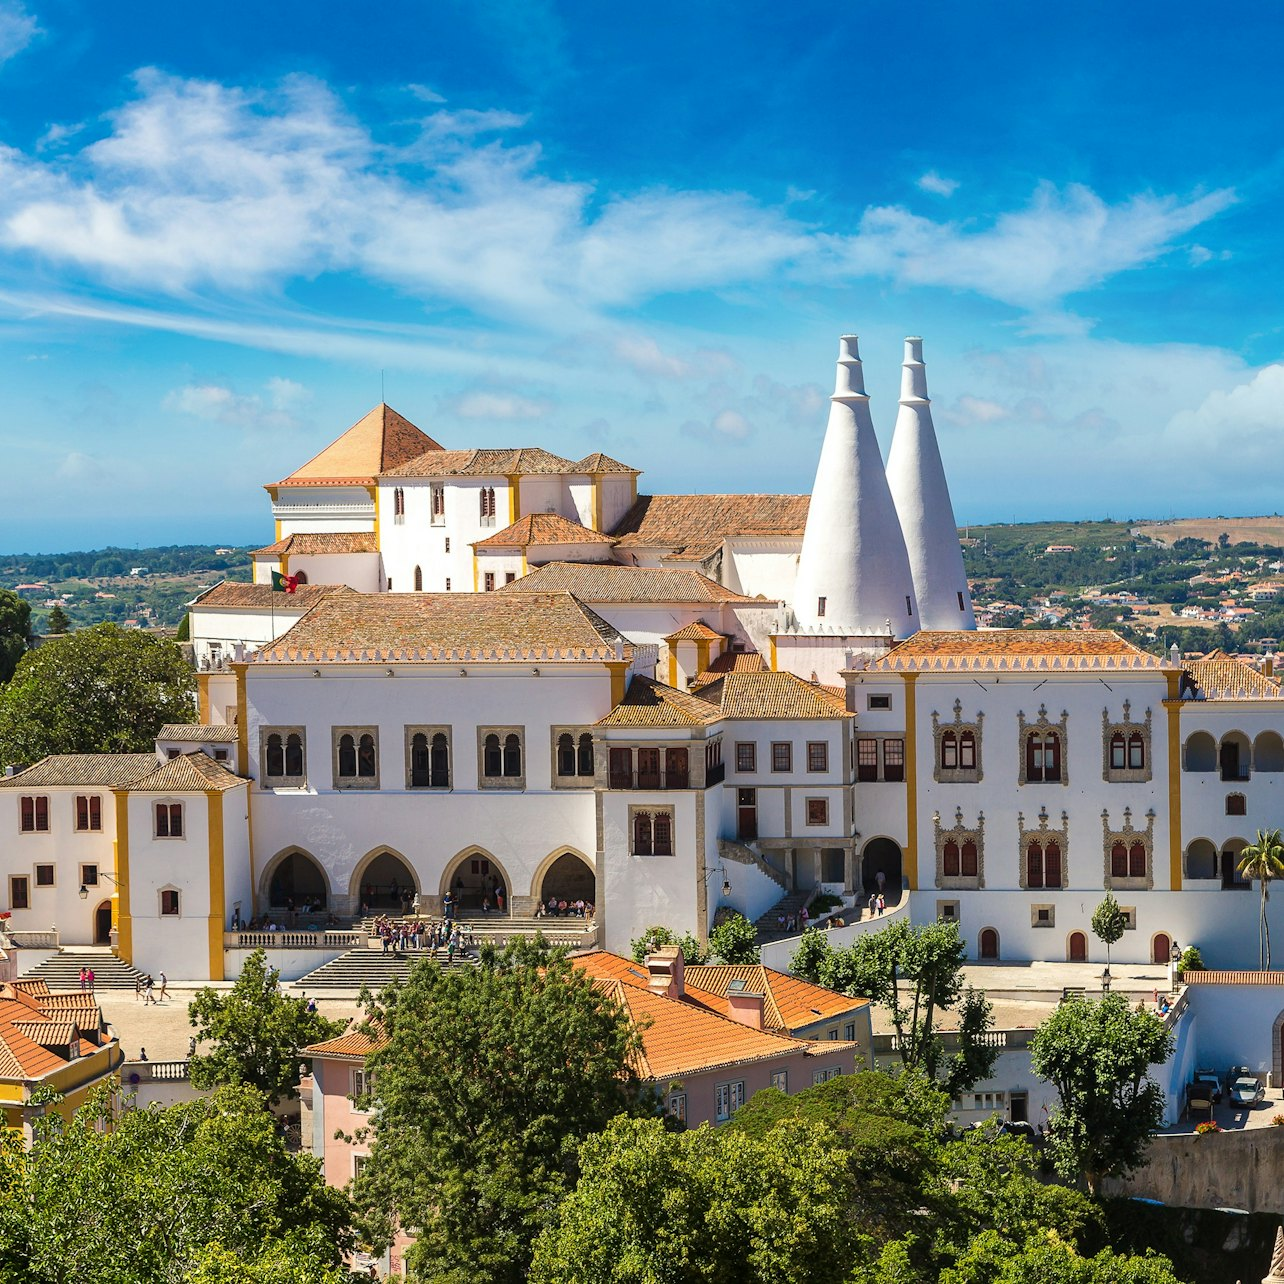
column 715, row 774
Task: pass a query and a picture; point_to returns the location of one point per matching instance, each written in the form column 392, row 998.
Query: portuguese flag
column 284, row 583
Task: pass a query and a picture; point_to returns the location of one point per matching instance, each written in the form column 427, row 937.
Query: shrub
column 1278, row 1120
column 1191, row 960
column 654, row 937
column 822, row 903
column 735, row 941
column 1202, row 1130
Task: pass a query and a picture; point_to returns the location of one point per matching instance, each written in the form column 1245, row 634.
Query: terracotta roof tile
column 377, row 627
column 1233, row 978
column 1218, row 676
column 103, row 770
column 697, row 631
column 606, row 582
column 790, row 1003
column 522, row 461
column 730, row 662
column 1015, row 649
column 652, row 704
column 197, row 732
column 542, row 528
column 773, row 695
column 187, row 773
column 351, row 1044
column 704, row 521
column 377, row 442
column 316, row 543
column 234, row 595
column 600, row 463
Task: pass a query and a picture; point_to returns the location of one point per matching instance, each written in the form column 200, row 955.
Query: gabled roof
column 789, row 1002
column 730, row 662
column 376, row 443
column 188, row 773
column 90, row 770
column 318, row 543
column 197, row 732
column 1218, row 676
column 1015, row 649
column 543, row 528
column 34, row 1024
column 236, row 596
column 773, row 695
column 600, row 463
column 652, row 704
column 696, row 631
column 520, row 461
column 498, row 627
column 699, row 523
column 351, row 1044
column 606, row 582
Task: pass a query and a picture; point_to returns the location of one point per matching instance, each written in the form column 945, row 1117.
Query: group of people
column 555, row 908
column 145, row 988
column 436, row 936
column 790, row 922
column 269, row 923
column 87, row 979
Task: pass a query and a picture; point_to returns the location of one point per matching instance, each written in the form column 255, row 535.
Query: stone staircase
column 743, row 853
column 372, row 968
column 61, row 971
column 768, row 924
column 500, row 927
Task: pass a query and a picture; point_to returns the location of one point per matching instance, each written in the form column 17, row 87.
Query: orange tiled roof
column 600, row 463
column 543, row 528
column 189, row 772
column 101, row 770
column 607, row 582
column 351, row 1044
column 1218, row 676
column 315, row 543
column 730, row 662
column 789, row 1002
column 522, row 461
column 648, row 703
column 377, row 442
column 773, row 695
column 698, row 631
column 1005, row 649
column 234, row 595
column 377, row 627
column 701, row 522
column 32, row 1028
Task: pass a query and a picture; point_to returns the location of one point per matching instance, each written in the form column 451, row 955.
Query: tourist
column 138, row 986
column 82, row 978
column 149, row 990
column 448, row 905
column 803, row 916
column 882, row 904
column 540, row 911
column 499, row 897
column 164, row 986
column 485, row 902
column 89, row 979
column 191, row 1046
column 873, row 904
column 142, row 1054
column 881, row 879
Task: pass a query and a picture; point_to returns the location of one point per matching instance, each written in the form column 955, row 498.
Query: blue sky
column 641, row 231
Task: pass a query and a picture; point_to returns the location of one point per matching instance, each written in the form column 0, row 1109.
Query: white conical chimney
column 922, row 495
column 853, row 572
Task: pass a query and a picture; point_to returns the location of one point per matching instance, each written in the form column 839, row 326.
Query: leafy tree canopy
column 57, row 622
column 164, row 1195
column 1109, row 922
column 99, row 690
column 735, row 940
column 654, row 937
column 489, row 1080
column 1048, row 1259
column 15, row 625
column 1261, row 861
column 1098, row 1056
column 915, row 973
column 257, row 1033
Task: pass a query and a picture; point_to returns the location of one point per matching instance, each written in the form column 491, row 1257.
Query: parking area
column 1234, row 1118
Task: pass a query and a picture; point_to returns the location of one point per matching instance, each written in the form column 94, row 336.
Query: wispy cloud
column 18, row 28
column 938, row 186
column 273, row 408
column 506, row 406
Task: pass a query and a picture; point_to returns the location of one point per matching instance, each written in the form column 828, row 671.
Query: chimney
column 665, row 968
column 1268, row 664
column 745, row 1008
column 1174, row 654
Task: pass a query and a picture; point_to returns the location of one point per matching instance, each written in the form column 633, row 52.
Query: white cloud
column 499, row 405
column 979, row 410
column 273, row 408
column 1241, row 424
column 938, row 186
column 1201, row 254
column 17, row 28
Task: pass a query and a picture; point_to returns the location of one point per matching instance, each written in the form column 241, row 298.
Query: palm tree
column 1261, row 861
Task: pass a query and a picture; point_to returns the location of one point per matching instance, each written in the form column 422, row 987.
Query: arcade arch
column 294, row 878
column 1201, row 752
column 883, row 855
column 384, row 881
column 567, row 875
column 473, row 878
column 1201, row 858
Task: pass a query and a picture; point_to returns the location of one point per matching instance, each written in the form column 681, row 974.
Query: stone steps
column 768, row 924
column 372, row 968
column 61, row 971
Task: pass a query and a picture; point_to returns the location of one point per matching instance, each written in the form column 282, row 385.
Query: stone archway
column 1161, row 948
column 566, row 876
column 883, row 855
column 473, row 879
column 1077, row 948
column 294, row 878
column 383, row 882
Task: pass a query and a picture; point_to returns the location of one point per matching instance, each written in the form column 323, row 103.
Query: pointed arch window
column 439, row 762
column 282, row 756
column 492, row 757
column 274, row 755
column 356, row 758
column 419, row 579
column 294, row 754
column 502, row 754
column 420, row 771
column 951, row 859
column 512, row 754
column 584, row 754
column 398, row 506
column 1118, row 751
column 487, row 505
column 642, row 834
column 566, row 754
column 949, row 750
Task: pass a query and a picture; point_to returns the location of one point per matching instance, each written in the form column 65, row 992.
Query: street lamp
column 1105, row 980
column 84, row 891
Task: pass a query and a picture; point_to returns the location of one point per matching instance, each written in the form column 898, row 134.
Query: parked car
column 1247, row 1091
column 1237, row 1072
column 1211, row 1082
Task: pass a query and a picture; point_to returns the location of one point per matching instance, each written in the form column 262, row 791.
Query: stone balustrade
column 322, row 939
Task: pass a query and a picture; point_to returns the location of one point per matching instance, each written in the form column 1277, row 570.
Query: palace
column 501, row 674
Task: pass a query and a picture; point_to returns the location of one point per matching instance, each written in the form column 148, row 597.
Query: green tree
column 914, row 973
column 487, row 1081
column 735, row 940
column 256, row 1032
column 163, row 1193
column 715, row 1206
column 98, row 690
column 1109, row 923
column 184, row 631
column 1260, row 861
column 654, row 937
column 1049, row 1259
column 57, row 623
column 1098, row 1056
column 15, row 625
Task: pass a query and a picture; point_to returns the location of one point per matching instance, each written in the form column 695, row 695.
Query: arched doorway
column 296, row 882
column 988, row 943
column 1161, row 948
column 882, row 855
column 569, row 878
column 476, row 880
column 1077, row 952
column 386, row 884
column 102, row 924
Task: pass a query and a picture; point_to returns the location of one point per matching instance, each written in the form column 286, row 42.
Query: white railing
column 1001, row 1039
column 134, row 1072
column 35, row 940
column 289, row 940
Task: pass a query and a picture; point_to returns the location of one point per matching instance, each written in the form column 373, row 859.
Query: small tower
column 922, row 495
column 1276, row 1274
column 853, row 572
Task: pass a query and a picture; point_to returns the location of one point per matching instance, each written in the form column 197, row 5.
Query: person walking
column 149, row 991
column 82, row 978
column 164, row 987
column 138, row 986
column 881, row 879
